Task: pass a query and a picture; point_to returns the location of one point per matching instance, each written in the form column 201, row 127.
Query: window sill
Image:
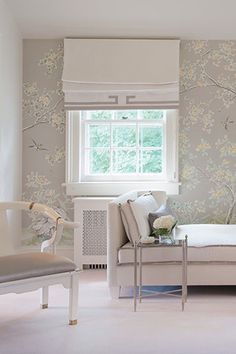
column 117, row 188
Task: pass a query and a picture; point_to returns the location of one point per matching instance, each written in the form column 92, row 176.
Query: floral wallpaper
column 207, row 138
column 44, row 136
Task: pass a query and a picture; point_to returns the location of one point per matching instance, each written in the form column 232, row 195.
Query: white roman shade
column 121, row 73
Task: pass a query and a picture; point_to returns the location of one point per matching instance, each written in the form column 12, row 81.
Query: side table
column 138, row 246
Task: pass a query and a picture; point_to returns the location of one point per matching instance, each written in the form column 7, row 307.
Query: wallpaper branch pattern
column 207, row 134
column 43, row 136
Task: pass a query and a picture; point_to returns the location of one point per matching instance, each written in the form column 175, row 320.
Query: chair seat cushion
column 28, row 265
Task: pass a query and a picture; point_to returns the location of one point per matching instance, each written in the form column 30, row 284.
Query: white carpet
column 207, row 326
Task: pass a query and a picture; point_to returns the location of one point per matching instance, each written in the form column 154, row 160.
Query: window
column 116, row 149
column 122, row 144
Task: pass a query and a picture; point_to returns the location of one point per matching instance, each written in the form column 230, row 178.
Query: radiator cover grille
column 90, row 242
column 94, row 230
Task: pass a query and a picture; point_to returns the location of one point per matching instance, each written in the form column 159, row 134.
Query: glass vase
column 166, row 238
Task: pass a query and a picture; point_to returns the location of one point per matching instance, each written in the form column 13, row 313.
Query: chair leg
column 73, row 298
column 44, row 297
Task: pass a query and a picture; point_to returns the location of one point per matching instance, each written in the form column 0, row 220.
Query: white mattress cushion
column 207, row 243
column 200, row 235
column 154, row 254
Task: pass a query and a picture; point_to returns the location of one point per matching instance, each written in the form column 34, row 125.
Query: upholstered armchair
column 30, row 271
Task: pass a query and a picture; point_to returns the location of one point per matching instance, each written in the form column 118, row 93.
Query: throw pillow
column 141, row 207
column 129, row 222
column 162, row 211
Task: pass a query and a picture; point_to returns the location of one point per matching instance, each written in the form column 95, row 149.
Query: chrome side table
column 138, row 247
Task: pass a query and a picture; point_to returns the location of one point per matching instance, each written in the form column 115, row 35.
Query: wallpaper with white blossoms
column 207, row 139
column 44, row 135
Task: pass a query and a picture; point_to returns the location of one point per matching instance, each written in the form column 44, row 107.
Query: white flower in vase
column 164, row 225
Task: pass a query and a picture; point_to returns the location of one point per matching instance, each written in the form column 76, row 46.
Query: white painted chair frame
column 68, row 279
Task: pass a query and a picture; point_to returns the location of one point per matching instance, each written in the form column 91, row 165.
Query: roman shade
column 115, row 73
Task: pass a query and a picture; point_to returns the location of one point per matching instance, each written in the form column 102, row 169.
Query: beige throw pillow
column 129, row 222
column 141, row 207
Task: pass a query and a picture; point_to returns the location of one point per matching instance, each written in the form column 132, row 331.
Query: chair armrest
column 69, row 224
column 60, row 224
column 47, row 211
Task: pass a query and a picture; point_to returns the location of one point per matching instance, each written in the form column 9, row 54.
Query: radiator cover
column 90, row 242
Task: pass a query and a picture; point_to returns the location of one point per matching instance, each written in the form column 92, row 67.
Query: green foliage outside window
column 124, row 148
column 99, row 161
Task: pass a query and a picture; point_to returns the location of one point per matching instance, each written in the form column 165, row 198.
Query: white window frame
column 77, row 184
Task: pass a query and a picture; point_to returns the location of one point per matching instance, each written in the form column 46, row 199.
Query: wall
column 10, row 120
column 207, row 131
column 44, row 135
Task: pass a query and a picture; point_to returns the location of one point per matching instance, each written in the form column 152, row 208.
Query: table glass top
column 173, row 242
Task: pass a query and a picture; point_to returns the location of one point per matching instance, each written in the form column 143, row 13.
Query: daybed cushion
column 141, row 207
column 28, row 265
column 207, row 243
column 164, row 210
column 134, row 215
column 129, row 222
column 208, row 234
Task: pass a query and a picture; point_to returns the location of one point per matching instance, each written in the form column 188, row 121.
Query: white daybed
column 211, row 253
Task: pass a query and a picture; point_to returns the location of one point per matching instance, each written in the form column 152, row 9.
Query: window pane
column 153, row 114
column 151, row 136
column 151, row 161
column 124, row 161
column 99, row 161
column 99, row 115
column 126, row 115
column 99, row 135
column 123, row 136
